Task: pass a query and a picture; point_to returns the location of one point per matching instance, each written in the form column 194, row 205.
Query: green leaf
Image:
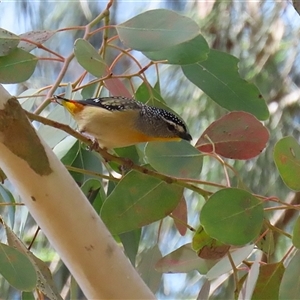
column 218, row 77
column 138, row 200
column 266, row 243
column 67, row 149
column 28, row 296
column 224, row 265
column 7, row 197
column 69, row 153
column 130, row 241
column 146, row 268
column 37, row 36
column 93, row 190
column 89, row 90
column 157, row 29
column 148, row 94
column 28, row 103
column 296, row 234
column 287, row 160
column 247, row 286
column 237, row 135
column 183, row 260
column 46, row 283
column 17, row 269
column 17, row 66
column 88, row 57
column 232, row 216
column 180, row 216
column 268, row 282
column 204, row 290
column 51, row 135
column 290, row 283
column 116, row 87
column 44, row 280
column 86, row 160
column 8, row 41
column 207, row 247
column 179, row 159
column 129, row 152
column 189, row 52
column 157, row 87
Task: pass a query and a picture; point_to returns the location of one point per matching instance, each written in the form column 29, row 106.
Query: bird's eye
column 171, row 127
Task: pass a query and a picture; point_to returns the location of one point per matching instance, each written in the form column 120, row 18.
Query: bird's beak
column 185, row 136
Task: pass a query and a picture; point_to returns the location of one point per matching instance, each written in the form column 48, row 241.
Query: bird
column 117, row 121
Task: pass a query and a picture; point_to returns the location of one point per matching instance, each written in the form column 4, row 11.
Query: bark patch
column 17, row 134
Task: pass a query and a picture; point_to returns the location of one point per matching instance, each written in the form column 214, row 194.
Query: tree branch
column 128, row 164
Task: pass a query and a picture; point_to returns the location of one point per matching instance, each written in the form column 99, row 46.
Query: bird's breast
column 112, row 129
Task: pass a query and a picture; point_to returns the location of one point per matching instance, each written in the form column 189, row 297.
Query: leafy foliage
column 130, row 194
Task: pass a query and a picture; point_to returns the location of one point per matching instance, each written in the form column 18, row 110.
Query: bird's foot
column 94, row 146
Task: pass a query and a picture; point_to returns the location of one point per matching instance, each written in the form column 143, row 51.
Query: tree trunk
column 61, row 210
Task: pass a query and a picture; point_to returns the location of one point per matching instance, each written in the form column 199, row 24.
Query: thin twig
column 91, row 173
column 34, row 237
column 287, row 254
column 235, row 276
column 220, row 160
column 41, row 46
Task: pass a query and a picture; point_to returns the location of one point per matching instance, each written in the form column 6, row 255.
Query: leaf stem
column 182, row 223
column 276, row 229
